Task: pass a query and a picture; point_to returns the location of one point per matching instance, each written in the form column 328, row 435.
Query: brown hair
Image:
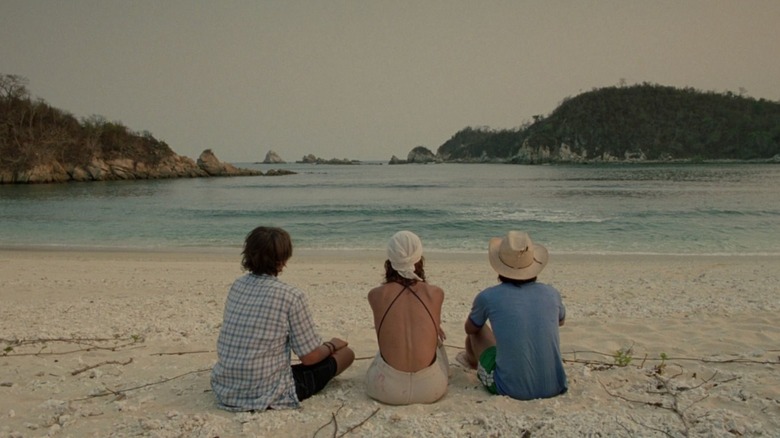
column 266, row 251
column 391, row 275
column 503, row 279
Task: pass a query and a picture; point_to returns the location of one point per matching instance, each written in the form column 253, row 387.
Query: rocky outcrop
column 418, row 155
column 528, row 154
column 273, row 158
column 213, row 167
column 172, row 166
column 312, row 159
column 421, row 154
column 565, row 154
column 279, row 172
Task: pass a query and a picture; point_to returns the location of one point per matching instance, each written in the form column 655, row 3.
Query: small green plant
column 624, row 356
column 659, row 369
column 8, row 349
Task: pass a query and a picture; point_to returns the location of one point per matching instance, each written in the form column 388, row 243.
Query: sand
column 110, row 343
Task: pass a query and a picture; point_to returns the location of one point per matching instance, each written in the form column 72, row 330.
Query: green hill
column 646, row 122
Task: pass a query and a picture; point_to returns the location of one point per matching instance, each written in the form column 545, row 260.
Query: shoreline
column 357, row 253
column 119, row 343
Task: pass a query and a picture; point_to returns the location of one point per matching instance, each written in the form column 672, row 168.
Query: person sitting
column 264, row 320
column 411, row 365
column 520, row 356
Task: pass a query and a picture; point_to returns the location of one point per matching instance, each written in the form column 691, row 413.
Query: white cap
column 404, row 250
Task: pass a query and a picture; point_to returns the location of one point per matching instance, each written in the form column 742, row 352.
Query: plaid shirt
column 264, row 320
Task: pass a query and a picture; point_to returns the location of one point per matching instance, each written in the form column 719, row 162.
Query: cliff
column 42, row 144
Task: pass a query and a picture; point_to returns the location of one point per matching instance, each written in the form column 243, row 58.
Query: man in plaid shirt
column 264, row 320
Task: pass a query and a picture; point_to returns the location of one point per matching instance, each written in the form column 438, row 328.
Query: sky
column 369, row 79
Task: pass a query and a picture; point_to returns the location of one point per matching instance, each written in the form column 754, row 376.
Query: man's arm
column 471, row 328
column 323, row 351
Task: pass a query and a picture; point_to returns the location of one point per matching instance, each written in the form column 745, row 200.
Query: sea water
column 729, row 209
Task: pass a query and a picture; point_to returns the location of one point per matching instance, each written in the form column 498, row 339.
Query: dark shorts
column 310, row 379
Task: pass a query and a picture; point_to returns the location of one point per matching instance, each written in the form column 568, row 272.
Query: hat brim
column 541, row 256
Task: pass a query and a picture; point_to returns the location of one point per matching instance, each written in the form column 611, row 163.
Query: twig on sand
column 335, row 424
column 88, row 343
column 73, row 340
column 673, row 405
column 334, row 421
column 119, row 395
column 125, row 390
column 361, row 423
column 659, row 430
column 108, row 362
column 691, row 359
column 62, row 353
column 179, row 353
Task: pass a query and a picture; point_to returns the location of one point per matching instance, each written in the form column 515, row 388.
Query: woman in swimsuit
column 411, row 365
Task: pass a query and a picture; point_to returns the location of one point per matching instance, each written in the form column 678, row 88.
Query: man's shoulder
column 501, row 288
column 268, row 283
column 489, row 293
column 494, row 288
column 545, row 286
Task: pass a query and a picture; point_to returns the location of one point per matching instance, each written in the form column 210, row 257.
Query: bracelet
column 330, row 346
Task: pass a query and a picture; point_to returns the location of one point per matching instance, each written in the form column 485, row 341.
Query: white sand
column 714, row 317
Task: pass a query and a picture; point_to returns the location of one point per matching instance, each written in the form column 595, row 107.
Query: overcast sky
column 368, row 79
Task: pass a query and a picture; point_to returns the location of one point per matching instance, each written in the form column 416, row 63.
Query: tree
column 13, row 87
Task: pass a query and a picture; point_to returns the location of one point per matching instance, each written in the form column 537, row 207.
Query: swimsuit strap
column 389, row 307
column 426, row 309
column 406, row 287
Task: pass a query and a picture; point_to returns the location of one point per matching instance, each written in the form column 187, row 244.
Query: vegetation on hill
column 642, row 122
column 645, row 121
column 34, row 133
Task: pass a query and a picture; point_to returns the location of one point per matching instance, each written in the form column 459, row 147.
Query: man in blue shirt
column 519, row 353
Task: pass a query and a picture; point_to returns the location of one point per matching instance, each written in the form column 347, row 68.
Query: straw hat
column 515, row 256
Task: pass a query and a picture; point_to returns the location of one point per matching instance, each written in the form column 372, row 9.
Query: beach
column 120, row 343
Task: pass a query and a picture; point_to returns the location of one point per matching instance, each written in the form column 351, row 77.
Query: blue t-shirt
column 525, row 322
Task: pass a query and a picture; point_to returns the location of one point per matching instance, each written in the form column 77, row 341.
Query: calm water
column 664, row 209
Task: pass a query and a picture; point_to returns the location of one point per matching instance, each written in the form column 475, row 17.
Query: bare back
column 407, row 321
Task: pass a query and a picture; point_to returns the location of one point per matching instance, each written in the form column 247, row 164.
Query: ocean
column 723, row 209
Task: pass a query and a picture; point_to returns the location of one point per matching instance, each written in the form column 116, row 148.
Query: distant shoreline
column 773, row 160
column 356, row 254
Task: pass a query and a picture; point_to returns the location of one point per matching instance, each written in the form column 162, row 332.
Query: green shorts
column 485, row 369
